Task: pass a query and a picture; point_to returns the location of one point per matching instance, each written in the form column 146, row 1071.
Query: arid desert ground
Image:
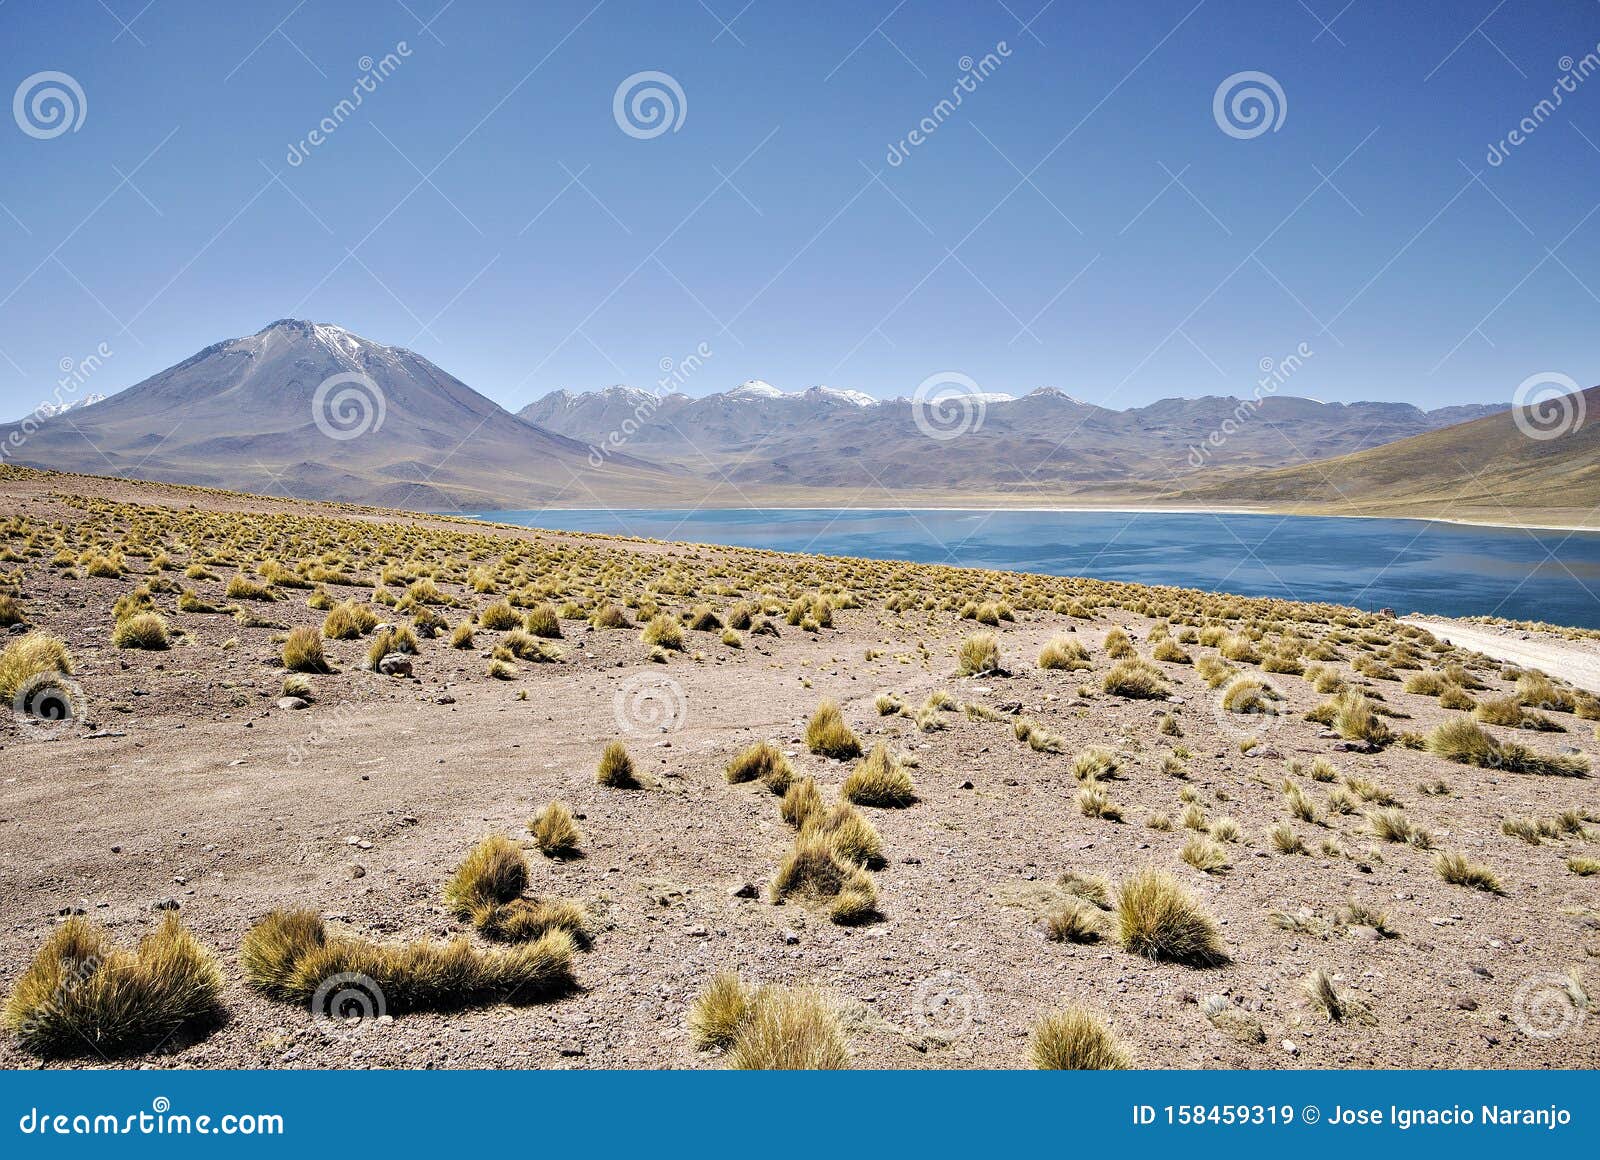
column 1309, row 858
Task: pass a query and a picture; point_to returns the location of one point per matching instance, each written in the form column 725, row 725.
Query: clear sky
column 1081, row 220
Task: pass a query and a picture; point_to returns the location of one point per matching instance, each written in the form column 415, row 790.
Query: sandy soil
column 1574, row 661
column 190, row 785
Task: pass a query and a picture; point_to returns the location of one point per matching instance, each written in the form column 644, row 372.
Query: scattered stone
column 164, row 904
column 395, row 665
column 293, row 703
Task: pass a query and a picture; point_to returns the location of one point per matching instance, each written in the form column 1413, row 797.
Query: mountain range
column 314, row 411
column 757, row 435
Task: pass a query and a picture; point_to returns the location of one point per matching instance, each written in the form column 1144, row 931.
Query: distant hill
column 313, row 411
column 1486, row 469
column 1047, row 440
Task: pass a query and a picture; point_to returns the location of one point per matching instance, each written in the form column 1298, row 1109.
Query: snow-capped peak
column 755, row 389
column 854, row 398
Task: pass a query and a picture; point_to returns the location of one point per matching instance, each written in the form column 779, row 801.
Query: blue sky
column 1080, row 221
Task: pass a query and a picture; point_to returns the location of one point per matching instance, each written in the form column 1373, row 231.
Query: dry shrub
column 1073, row 1039
column 555, row 831
column 828, row 735
column 880, row 780
column 494, row 871
column 1158, row 918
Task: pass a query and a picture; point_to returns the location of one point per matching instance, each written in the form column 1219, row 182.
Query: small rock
column 745, row 890
column 358, row 871
column 1291, row 1047
column 293, row 703
column 395, row 665
column 165, row 904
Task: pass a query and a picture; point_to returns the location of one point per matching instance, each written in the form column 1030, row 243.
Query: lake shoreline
column 1070, row 508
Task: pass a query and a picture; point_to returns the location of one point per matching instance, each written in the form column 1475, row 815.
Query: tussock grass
column 84, row 995
column 290, row 956
column 616, row 770
column 1464, row 743
column 302, row 652
column 979, row 654
column 880, row 780
column 790, row 1029
column 801, row 801
column 556, row 831
column 1073, row 1039
column 348, row 621
column 499, row 617
column 828, row 735
column 663, row 632
column 1204, row 855
column 494, row 871
column 1584, row 867
column 1159, row 919
column 1096, row 762
column 762, row 762
column 32, row 655
column 1075, row 921
column 720, row 1010
column 848, row 832
column 142, row 630
column 1065, row 653
column 1455, row 868
column 1136, row 679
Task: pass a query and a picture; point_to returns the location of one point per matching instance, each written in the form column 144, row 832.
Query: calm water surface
column 1407, row 565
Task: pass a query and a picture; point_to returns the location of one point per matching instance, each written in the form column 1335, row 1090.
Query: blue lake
column 1407, row 565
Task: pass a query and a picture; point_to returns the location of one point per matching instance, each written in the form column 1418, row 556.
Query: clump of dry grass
column 290, row 956
column 616, row 770
column 663, row 632
column 789, row 1029
column 1456, row 869
column 762, row 762
column 1204, row 855
column 348, row 621
column 720, row 1010
column 1074, row 921
column 979, row 654
column 142, row 630
column 499, row 617
column 1285, row 840
column 1093, row 802
column 1063, row 652
column 29, row 657
column 801, row 801
column 302, row 652
column 817, row 868
column 1325, row 997
column 494, row 871
column 1073, row 1039
column 1158, row 918
column 1583, row 867
column 542, row 621
column 1350, row 714
column 83, row 994
column 1464, row 743
column 880, row 780
column 524, row 920
column 828, row 735
column 1136, row 679
column 556, row 831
